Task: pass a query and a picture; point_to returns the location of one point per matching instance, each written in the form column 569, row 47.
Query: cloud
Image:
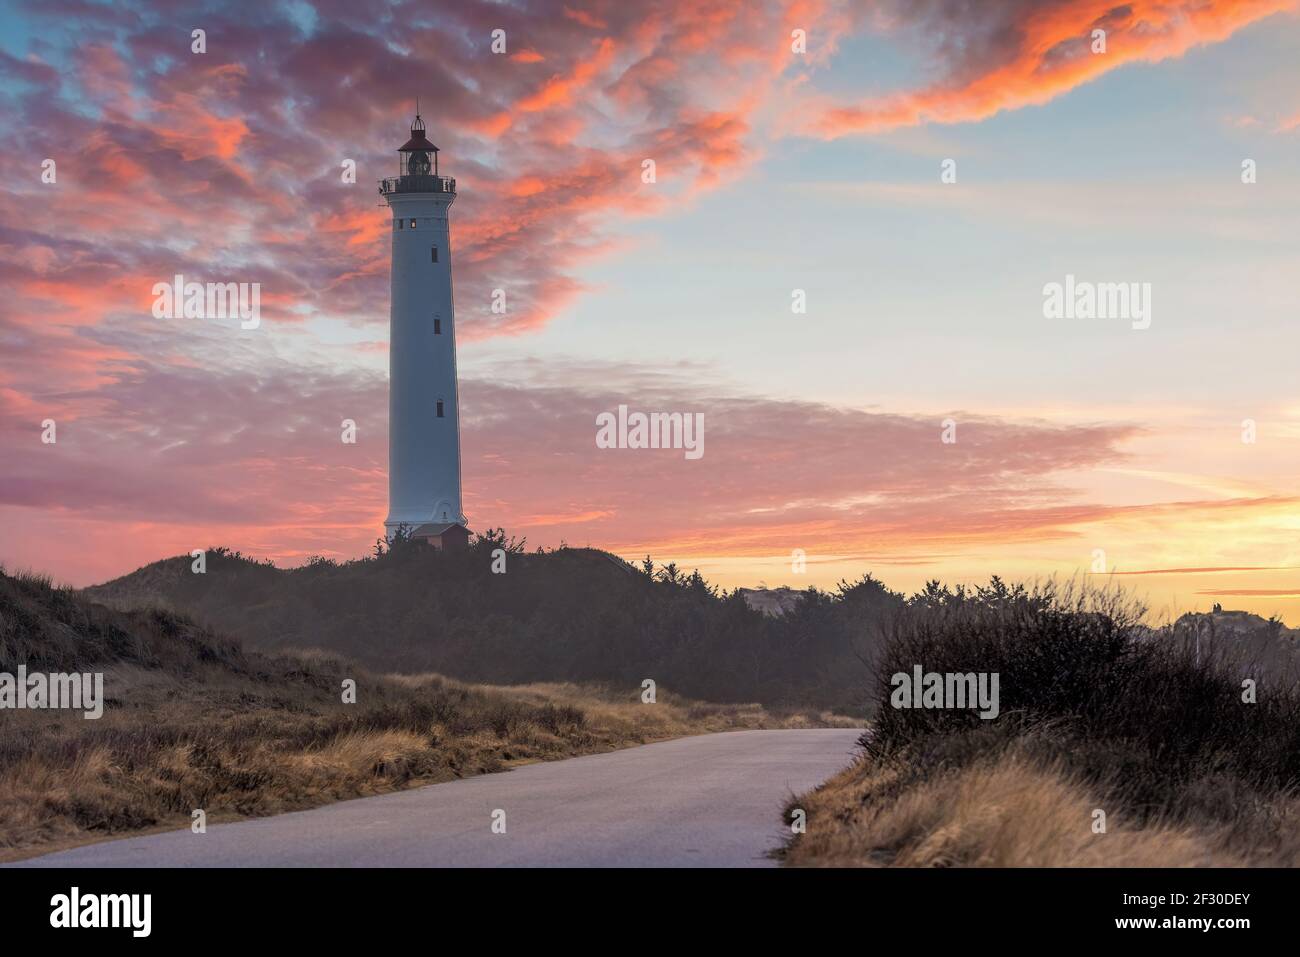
column 228, row 166
column 254, row 458
column 1253, row 593
column 230, row 162
column 1209, row 570
column 1017, row 53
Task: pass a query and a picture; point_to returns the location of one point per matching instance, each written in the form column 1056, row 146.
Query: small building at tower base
column 446, row 536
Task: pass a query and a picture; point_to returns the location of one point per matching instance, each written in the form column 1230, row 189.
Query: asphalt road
column 706, row 801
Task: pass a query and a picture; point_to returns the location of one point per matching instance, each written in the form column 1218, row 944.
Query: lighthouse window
column 435, row 253
column 440, row 408
column 412, row 224
column 437, row 327
column 401, row 224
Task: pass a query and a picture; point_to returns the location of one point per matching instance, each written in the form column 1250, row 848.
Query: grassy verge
column 1114, row 747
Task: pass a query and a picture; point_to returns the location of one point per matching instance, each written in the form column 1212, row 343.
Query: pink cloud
column 254, row 459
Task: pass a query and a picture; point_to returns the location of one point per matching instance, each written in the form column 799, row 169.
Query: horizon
column 1076, row 441
column 1151, row 617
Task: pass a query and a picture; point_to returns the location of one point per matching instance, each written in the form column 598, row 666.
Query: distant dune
column 569, row 614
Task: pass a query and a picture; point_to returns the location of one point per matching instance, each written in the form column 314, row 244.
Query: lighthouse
column 423, row 406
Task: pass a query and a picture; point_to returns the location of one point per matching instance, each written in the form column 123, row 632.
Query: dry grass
column 239, row 748
column 1011, row 812
column 672, row 716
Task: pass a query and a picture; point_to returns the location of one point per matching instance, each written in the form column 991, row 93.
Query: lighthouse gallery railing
column 417, row 184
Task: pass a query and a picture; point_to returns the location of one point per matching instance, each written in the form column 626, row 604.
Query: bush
column 1081, row 680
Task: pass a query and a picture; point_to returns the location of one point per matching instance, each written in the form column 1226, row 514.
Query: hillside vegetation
column 1192, row 758
column 583, row 615
column 192, row 720
column 568, row 615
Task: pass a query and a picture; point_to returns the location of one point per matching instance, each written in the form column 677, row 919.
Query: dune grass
column 1192, row 760
column 1019, row 810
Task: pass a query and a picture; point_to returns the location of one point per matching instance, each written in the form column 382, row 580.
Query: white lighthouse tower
column 423, row 408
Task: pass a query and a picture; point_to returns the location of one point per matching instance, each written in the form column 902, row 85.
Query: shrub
column 1082, row 681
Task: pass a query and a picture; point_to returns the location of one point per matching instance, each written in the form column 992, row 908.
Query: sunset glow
column 774, row 172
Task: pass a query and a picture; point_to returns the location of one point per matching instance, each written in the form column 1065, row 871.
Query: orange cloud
column 1208, row 570
column 585, row 18
column 560, row 91
column 1048, row 53
column 566, row 518
column 1253, row 593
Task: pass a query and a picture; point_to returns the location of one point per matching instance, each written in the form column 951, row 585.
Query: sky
column 914, row 173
